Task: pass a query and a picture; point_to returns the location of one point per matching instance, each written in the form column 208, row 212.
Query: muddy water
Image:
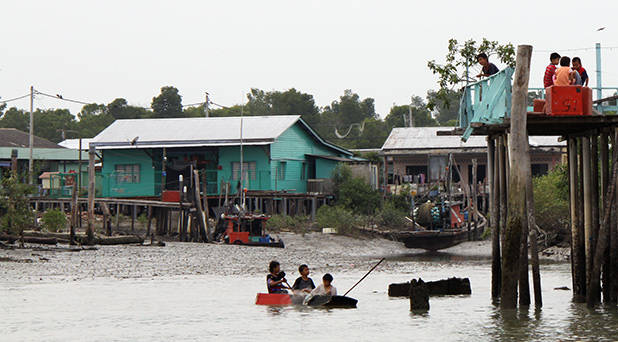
column 190, row 292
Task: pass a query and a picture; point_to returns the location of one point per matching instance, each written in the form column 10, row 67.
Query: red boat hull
column 273, row 299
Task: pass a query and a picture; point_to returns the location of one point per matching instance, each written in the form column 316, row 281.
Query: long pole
column 31, row 137
column 365, row 276
column 79, row 163
column 206, row 113
column 242, row 178
column 599, row 83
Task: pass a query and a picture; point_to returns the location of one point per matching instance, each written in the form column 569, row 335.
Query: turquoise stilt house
column 142, row 157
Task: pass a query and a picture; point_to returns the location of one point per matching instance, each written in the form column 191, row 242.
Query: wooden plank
column 91, row 194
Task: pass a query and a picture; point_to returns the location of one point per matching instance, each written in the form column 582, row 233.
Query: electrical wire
column 15, row 98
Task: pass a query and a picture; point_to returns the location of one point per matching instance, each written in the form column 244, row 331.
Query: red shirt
column 548, row 80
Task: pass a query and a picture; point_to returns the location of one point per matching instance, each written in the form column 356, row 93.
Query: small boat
column 283, row 299
column 245, row 229
column 434, row 240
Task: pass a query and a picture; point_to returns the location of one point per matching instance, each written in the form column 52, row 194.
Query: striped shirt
column 548, row 80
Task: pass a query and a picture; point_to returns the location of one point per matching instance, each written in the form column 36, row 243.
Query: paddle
column 365, row 276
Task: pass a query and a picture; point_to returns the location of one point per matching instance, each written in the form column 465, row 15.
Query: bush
column 15, row 206
column 354, row 193
column 336, row 217
column 391, row 216
column 285, row 222
column 551, row 199
column 54, row 220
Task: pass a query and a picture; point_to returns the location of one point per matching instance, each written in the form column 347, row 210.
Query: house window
column 248, row 168
column 127, row 173
column 303, row 171
column 539, row 169
column 281, row 170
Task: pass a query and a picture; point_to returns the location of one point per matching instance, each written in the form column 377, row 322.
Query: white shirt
column 321, row 291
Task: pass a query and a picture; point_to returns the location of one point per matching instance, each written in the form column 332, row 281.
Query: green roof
column 43, row 153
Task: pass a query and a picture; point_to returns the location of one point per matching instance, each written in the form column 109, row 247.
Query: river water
column 205, row 292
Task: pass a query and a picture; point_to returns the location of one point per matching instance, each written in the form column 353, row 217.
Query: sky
column 96, row 51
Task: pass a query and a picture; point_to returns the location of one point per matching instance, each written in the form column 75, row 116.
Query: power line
column 15, row 98
column 579, row 49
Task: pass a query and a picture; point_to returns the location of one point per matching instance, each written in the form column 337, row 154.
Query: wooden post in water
column 604, row 156
column 587, row 185
column 594, row 193
column 205, row 206
column 520, row 168
column 593, row 294
column 181, row 218
column 613, row 250
column 91, row 193
column 494, row 216
column 502, row 186
column 474, row 202
column 534, row 250
column 74, row 213
column 577, row 251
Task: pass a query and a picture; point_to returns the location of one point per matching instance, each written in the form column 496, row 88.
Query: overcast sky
column 96, row 51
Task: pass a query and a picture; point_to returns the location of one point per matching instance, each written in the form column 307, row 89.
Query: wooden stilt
column 594, row 193
column 613, row 251
column 587, row 184
column 593, row 294
column 604, row 175
column 91, row 194
column 578, row 251
column 502, row 185
column 149, row 221
column 493, row 173
column 520, row 169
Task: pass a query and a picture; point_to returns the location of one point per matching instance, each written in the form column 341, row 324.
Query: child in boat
column 303, row 283
column 326, row 288
column 275, row 279
column 564, row 75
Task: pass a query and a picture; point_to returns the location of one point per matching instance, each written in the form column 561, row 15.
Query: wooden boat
column 434, row 240
column 283, row 299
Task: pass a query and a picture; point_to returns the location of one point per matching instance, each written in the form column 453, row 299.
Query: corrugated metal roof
column 11, row 137
column 427, row 138
column 74, row 143
column 43, row 154
column 214, row 131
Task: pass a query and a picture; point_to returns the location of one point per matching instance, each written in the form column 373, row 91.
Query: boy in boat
column 488, row 68
column 303, row 283
column 326, row 288
column 276, row 278
column 548, row 79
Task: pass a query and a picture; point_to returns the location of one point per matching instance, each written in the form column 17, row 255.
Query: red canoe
column 273, row 299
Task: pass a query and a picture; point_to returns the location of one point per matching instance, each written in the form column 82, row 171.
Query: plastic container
column 568, row 100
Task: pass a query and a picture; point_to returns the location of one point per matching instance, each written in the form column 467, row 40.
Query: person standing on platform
column 488, row 68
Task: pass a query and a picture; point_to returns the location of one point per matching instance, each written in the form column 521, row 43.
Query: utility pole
column 206, row 114
column 31, row 137
column 410, row 119
column 599, row 83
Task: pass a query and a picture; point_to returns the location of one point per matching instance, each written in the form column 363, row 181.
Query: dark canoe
column 333, row 302
column 276, row 244
column 434, row 240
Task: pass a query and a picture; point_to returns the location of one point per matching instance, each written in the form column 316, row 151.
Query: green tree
column 52, row 124
column 354, row 193
column 120, row 109
column 446, row 106
column 399, row 115
column 15, row 204
column 290, row 101
column 93, row 118
column 461, row 57
column 168, row 104
column 15, row 118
